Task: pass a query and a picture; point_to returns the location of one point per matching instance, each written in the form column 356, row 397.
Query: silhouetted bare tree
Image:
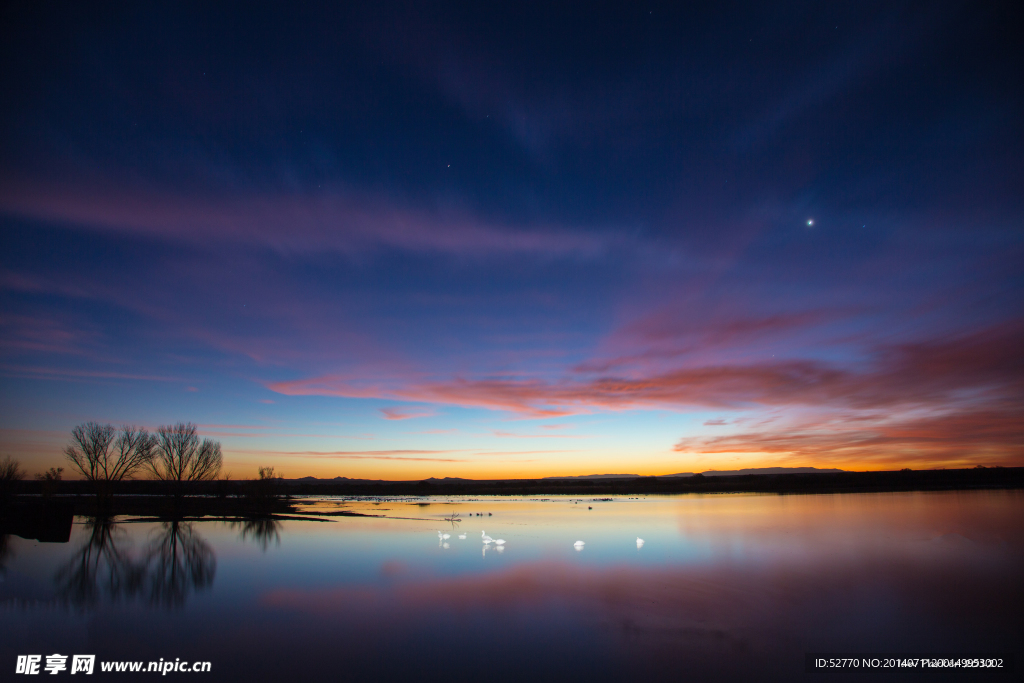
column 52, row 474
column 10, row 472
column 10, row 469
column 103, row 454
column 264, row 489
column 178, row 454
column 50, row 480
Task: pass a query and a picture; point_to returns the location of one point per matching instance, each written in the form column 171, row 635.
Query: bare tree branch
column 10, row 470
column 208, row 461
column 178, row 455
column 103, row 454
column 90, row 449
column 175, row 449
column 134, row 448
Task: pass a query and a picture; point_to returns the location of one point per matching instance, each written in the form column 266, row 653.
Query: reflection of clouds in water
column 723, row 594
column 392, row 568
column 701, row 612
column 104, row 568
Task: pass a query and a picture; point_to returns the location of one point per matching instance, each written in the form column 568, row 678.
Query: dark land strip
column 27, row 512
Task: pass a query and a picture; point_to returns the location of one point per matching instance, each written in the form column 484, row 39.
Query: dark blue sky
column 500, row 239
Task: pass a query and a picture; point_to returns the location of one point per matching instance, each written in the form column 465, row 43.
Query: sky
column 515, row 239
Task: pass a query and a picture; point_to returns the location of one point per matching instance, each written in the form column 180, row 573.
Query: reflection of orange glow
column 774, row 574
column 772, row 529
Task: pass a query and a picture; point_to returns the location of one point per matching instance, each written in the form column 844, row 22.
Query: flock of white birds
column 499, row 543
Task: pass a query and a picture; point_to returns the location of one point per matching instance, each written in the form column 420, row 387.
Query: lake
column 722, row 587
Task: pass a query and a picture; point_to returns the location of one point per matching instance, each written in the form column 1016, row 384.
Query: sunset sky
column 512, row 239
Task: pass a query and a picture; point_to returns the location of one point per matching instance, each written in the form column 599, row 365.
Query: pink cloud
column 512, row 395
column 923, row 373
column 329, row 219
column 720, row 387
column 936, row 396
column 669, row 325
column 405, row 413
column 512, row 435
column 989, row 436
column 68, row 374
column 46, row 334
column 670, row 333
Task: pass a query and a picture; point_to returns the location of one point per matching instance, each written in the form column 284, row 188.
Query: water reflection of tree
column 102, row 565
column 261, row 531
column 6, row 552
column 178, row 561
column 175, row 562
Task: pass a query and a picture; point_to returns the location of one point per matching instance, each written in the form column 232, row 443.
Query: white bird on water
column 499, row 541
column 639, row 542
column 578, row 545
column 462, row 537
column 443, row 537
column 486, row 538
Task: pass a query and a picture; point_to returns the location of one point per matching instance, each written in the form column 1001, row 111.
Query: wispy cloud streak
column 936, row 397
column 907, row 374
column 405, row 413
column 298, row 222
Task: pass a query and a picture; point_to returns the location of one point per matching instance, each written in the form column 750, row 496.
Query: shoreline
column 236, row 498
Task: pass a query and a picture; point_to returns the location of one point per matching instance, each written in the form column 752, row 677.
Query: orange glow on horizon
column 38, row 450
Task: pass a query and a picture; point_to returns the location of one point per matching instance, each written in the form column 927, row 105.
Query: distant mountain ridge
column 759, row 470
column 708, row 473
column 712, row 473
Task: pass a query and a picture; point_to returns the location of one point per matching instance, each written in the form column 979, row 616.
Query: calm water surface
column 724, row 587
